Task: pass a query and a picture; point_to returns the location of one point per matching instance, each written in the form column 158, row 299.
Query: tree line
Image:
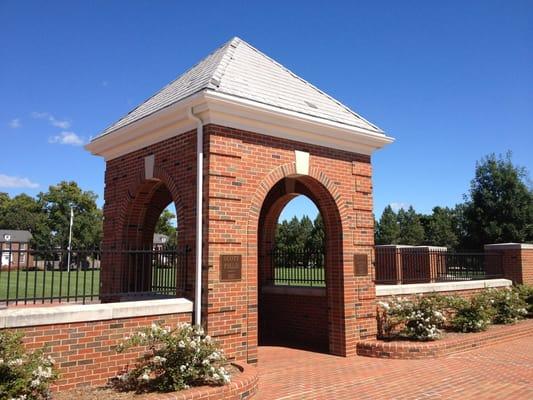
column 299, row 235
column 497, row 209
column 47, row 216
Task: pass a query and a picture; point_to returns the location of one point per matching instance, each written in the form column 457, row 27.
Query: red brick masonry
column 451, row 344
column 85, row 351
column 242, row 387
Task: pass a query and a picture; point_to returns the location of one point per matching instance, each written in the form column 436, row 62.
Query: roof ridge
column 223, row 63
column 309, row 84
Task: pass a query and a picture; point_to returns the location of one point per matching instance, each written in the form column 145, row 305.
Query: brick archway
column 146, row 200
column 274, row 192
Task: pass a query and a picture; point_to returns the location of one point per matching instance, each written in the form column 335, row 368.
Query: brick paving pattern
column 502, row 371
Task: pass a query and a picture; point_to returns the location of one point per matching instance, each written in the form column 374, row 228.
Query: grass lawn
column 44, row 284
column 299, row 277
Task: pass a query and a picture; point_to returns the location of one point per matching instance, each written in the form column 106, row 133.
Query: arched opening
column 153, row 260
column 298, row 300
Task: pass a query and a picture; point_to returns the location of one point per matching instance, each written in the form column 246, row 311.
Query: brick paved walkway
column 503, row 371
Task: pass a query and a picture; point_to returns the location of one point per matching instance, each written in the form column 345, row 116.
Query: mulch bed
column 108, row 393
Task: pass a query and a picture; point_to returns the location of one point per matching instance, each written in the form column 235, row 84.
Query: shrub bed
column 425, row 318
column 24, row 375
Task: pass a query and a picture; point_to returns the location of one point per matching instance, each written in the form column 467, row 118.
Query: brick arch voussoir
column 285, row 171
column 159, row 174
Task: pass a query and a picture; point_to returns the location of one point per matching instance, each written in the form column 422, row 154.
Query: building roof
column 160, row 238
column 17, row 236
column 239, row 70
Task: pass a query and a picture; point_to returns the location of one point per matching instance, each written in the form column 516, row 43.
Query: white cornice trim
column 233, row 112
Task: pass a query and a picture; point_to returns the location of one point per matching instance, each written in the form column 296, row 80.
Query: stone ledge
column 449, row 345
column 64, row 314
column 509, row 246
column 414, row 288
column 295, row 290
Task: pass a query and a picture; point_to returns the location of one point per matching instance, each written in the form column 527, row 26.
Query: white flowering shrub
column 507, row 305
column 472, row 315
column 176, row 359
column 418, row 319
column 24, row 375
column 525, row 292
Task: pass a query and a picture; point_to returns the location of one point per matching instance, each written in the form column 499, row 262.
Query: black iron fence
column 31, row 276
column 296, row 267
column 421, row 265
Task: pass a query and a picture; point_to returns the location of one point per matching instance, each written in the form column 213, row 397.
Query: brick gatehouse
column 266, row 137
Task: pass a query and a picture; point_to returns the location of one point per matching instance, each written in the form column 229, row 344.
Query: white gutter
column 199, row 206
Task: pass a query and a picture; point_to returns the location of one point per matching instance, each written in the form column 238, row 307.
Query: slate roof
column 15, row 236
column 238, row 69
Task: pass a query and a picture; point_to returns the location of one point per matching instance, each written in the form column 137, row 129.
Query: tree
column 499, row 207
column 23, row 212
column 387, row 228
column 55, row 205
column 441, row 227
column 166, row 226
column 317, row 238
column 411, row 229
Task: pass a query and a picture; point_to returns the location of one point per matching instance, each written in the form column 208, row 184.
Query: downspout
column 199, row 209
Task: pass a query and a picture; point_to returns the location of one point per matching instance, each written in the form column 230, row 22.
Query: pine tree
column 387, row 228
column 411, row 229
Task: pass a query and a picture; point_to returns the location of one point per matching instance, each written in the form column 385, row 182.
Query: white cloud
column 58, row 123
column 399, row 205
column 67, row 137
column 15, row 123
column 7, row 181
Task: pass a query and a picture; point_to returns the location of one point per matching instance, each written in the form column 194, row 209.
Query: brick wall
column 294, row 319
column 244, row 201
column 241, row 169
column 85, row 351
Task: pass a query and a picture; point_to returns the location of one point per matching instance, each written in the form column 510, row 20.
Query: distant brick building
column 15, row 246
column 261, row 136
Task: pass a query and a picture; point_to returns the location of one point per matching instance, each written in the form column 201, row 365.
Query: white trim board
column 219, row 109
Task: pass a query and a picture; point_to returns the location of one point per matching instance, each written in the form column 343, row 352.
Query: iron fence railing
column 31, row 276
column 421, row 265
column 296, row 267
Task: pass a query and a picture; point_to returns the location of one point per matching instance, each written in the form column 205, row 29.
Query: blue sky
column 451, row 81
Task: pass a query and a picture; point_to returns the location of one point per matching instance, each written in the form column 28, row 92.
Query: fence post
column 517, row 261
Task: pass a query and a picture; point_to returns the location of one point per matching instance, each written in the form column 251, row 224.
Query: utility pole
column 70, row 237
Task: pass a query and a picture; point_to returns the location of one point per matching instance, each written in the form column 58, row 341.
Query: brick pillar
column 517, row 261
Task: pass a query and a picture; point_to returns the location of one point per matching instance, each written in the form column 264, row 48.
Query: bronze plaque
column 230, row 267
column 360, row 264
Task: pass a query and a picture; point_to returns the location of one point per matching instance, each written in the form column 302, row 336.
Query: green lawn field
column 299, row 277
column 45, row 284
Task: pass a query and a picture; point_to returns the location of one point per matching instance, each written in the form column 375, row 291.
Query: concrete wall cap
column 414, row 288
column 509, row 246
column 64, row 314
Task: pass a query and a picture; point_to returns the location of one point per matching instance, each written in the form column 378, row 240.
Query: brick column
column 517, row 260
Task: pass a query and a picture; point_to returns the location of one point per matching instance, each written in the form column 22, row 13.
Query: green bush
column 472, row 315
column 418, row 319
column 176, row 359
column 23, row 375
column 525, row 292
column 506, row 304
